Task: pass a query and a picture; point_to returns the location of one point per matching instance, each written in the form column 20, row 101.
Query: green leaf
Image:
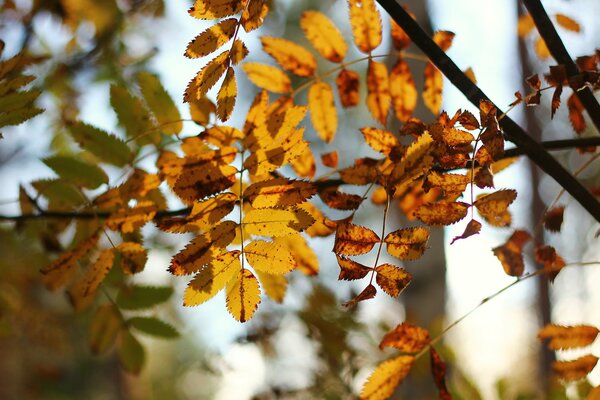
column 19, row 116
column 76, row 171
column 153, row 326
column 59, row 193
column 160, row 103
column 133, row 116
column 141, row 297
column 131, row 353
column 104, row 327
column 102, row 144
column 16, row 100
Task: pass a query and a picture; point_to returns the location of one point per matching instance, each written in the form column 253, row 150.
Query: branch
column 475, row 95
column 557, row 48
column 86, row 215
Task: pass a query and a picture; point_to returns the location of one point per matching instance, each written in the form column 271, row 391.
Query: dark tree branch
column 557, row 48
column 512, row 131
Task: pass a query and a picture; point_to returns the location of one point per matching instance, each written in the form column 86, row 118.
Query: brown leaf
column 400, row 39
column 551, row 261
column 568, row 337
column 348, row 83
column 330, row 159
column 576, row 369
column 576, row 113
column 553, row 219
column 339, row 200
column 473, row 228
column 438, row 370
column 403, row 90
column 407, row 243
column 368, row 293
column 352, row 240
column 391, row 279
column 493, row 207
column 510, row 253
column 406, row 337
column 351, row 270
column 439, row 214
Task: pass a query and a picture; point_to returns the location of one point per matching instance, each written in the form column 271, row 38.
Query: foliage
column 246, row 190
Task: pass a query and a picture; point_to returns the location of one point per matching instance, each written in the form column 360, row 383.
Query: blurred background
column 309, row 346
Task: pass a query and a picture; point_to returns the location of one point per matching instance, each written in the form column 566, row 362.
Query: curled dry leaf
column 567, row 337
column 351, row 270
column 407, row 338
column 438, row 370
column 551, row 261
column 473, row 228
column 368, row 293
column 340, row 200
column 510, row 253
column 553, row 218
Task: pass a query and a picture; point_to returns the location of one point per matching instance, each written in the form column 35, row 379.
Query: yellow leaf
column 128, row 220
column 211, row 39
column 304, row 165
column 323, row 113
column 274, row 286
column 542, row 49
column 61, row 270
column 353, row 240
column 443, row 39
column 207, row 77
column 243, row 295
column 276, row 222
column 432, row 88
column 324, row 36
column 438, row 214
column 567, row 337
column 268, row 77
column 211, row 279
column 201, row 109
column 254, row 15
column 387, row 376
column 407, row 338
column 400, row 39
column 525, row 25
column 226, row 96
column 380, row 140
column 133, row 257
column 82, row 293
column 278, row 192
column 378, row 91
column 416, row 161
column 104, row 327
column 403, row 91
column 391, row 279
column 323, row 226
column 203, row 249
column 204, row 215
column 453, row 185
column 269, row 257
column 407, row 243
column 567, row 23
column 576, row 369
column 494, row 206
column 289, row 55
column 348, row 83
column 510, row 253
column 305, row 258
column 366, row 24
column 222, row 136
column 363, row 172
column 239, row 51
column 215, row 9
column 351, row 270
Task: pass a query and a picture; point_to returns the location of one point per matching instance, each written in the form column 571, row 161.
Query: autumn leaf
column 472, row 228
column 416, row 161
column 391, row 279
column 133, row 257
column 368, row 293
column 128, row 220
column 324, row 36
column 553, row 219
column 269, row 257
column 202, row 176
column 378, row 91
column 432, row 88
column 407, row 243
column 576, row 113
column 576, row 369
column 290, row 56
column 403, row 91
column 440, row 214
column 387, row 376
column 238, row 52
column 267, row 77
column 348, row 83
column 243, row 295
column 541, row 48
column 567, row 23
column 400, row 39
column 254, row 15
column 82, row 292
column 453, row 185
column 227, row 95
column 204, row 214
column 211, row 39
column 207, row 77
column 333, row 198
column 438, row 370
column 363, row 172
column 278, row 192
column 525, row 25
column 567, row 337
column 274, row 286
column 215, row 9
column 276, row 222
column 305, row 258
column 210, row 280
column 160, row 103
column 551, row 261
column 104, row 327
column 366, row 24
column 407, row 338
column 353, row 240
column 323, row 113
column 493, row 207
column 351, row 270
column 330, row 159
column 380, row 140
column 510, row 253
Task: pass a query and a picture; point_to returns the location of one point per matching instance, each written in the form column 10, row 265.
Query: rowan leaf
column 268, row 77
column 269, row 257
column 153, row 326
column 131, row 353
column 378, row 91
column 407, row 338
column 76, row 171
column 212, row 278
column 324, row 36
column 576, row 369
column 136, row 297
column 254, row 15
column 493, row 207
column 304, row 165
column 363, row 172
column 243, row 295
column 402, row 91
column 215, row 9
column 380, row 140
column 202, row 177
column 568, row 337
column 106, row 147
column 83, row 291
column 432, row 88
column 133, row 257
column 552, row 263
column 525, row 25
column 227, row 95
column 203, row 249
column 541, row 48
column 128, row 220
column 104, row 327
column 323, row 113
column 576, row 113
column 553, row 219
column 348, row 83
column 211, row 39
column 382, row 382
column 510, row 253
column 407, row 243
column 278, row 192
column 207, row 77
column 352, row 240
column 289, row 55
column 472, row 228
column 368, row 293
column 274, row 286
column 221, row 135
column 568, row 23
column 276, row 222
column 416, row 161
column 391, row 279
column 330, row 159
column 238, row 52
column 160, row 103
column 133, row 115
column 61, row 270
column 438, row 370
column 453, row 185
column 400, row 39
column 351, row 270
column 440, row 214
column 322, row 226
column 366, row 24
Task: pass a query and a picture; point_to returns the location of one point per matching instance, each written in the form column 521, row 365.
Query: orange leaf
column 278, row 192
column 432, row 89
column 553, row 218
column 339, row 200
column 453, row 185
column 568, row 337
column 443, row 39
column 552, row 262
column 133, row 257
column 211, row 39
column 61, row 270
column 567, row 23
column 239, row 51
column 304, row 256
column 243, row 295
column 351, row 270
column 215, row 9
column 323, row 113
column 416, row 161
column 473, row 228
column 378, row 91
column 438, row 370
column 576, row 113
column 347, row 83
column 366, row 24
column 382, row 383
column 403, row 91
column 407, row 243
column 391, row 279
column 267, row 77
column 323, row 226
column 576, row 369
column 525, row 25
column 289, row 55
column 204, row 215
column 407, row 338
column 254, row 15
column 368, row 293
column 128, row 220
column 330, row 159
column 510, row 253
column 438, row 214
column 324, row 36
column 207, row 77
column 400, row 39
column 542, row 49
column 82, row 293
column 227, row 95
column 210, row 280
column 380, row 140
column 221, row 136
column 353, row 240
column 493, row 207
